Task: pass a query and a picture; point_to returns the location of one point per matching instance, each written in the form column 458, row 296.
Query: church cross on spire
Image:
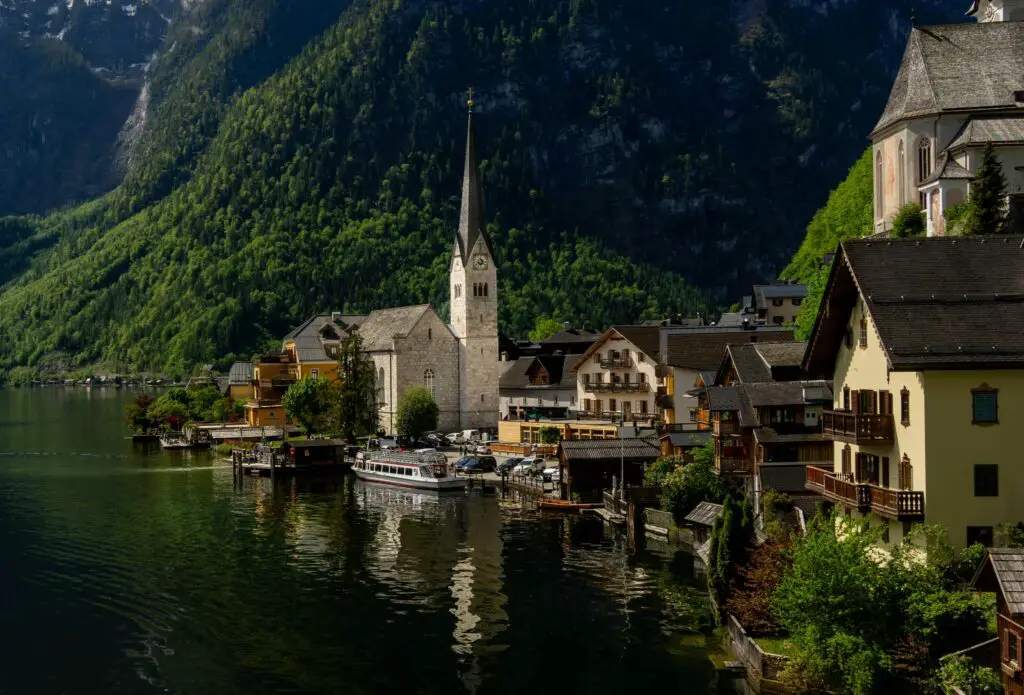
column 471, row 218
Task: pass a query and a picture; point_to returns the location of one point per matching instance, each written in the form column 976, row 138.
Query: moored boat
column 565, row 505
column 424, row 471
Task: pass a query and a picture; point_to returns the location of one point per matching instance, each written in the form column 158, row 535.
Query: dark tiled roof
column 609, row 449
column 997, row 130
column 947, row 169
column 1007, row 564
column 240, row 374
column 724, row 398
column 558, row 367
column 572, row 335
column 782, row 354
column 687, row 438
column 704, row 348
column 937, row 303
column 707, row 376
column 310, row 349
column 778, row 393
column 763, row 292
column 381, row 327
column 957, row 67
column 747, row 363
column 472, row 223
column 645, row 338
column 731, row 319
column 704, row 514
column 315, row 324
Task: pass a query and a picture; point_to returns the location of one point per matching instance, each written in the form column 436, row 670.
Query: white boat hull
column 412, row 481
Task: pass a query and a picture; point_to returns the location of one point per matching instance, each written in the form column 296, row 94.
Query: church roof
column 957, row 67
column 472, row 225
column 999, row 131
column 314, row 324
column 947, row 169
column 381, row 327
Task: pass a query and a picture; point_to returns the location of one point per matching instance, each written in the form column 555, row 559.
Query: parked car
column 462, row 462
column 550, row 474
column 530, row 466
column 480, row 464
column 435, row 440
column 482, row 449
column 507, row 465
column 454, row 437
column 388, row 442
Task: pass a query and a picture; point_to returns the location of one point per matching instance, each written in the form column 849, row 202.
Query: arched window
column 428, row 381
column 380, row 379
column 430, row 334
column 485, row 289
column 901, row 168
column 878, row 184
column 924, row 159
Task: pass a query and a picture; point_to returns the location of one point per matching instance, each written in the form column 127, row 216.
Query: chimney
column 336, row 316
column 567, row 326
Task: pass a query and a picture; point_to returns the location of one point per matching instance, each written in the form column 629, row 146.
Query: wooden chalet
column 1002, row 572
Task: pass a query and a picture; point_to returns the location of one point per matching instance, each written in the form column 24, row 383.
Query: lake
column 127, row 569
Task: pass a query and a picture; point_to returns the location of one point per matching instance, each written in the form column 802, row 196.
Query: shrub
column 959, row 671
column 909, row 221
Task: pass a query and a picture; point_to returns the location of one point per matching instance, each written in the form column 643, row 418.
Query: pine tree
column 987, row 206
column 358, row 413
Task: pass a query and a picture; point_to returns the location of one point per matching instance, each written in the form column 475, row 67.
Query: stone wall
column 431, row 346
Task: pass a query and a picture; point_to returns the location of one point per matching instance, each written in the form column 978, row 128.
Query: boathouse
column 309, row 453
column 1002, row 572
column 588, row 466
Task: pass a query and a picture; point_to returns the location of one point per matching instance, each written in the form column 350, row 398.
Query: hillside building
column 959, row 87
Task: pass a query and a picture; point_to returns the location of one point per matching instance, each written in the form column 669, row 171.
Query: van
column 470, row 435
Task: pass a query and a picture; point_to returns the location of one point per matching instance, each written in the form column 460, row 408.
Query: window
column 863, row 332
column 924, row 160
column 797, row 301
column 901, row 174
column 985, row 406
column 643, row 407
column 879, row 163
column 642, row 378
column 1011, row 647
column 430, row 334
column 428, row 381
column 986, row 480
column 586, row 379
column 847, row 461
column 777, row 301
column 611, row 404
column 572, row 400
column 778, row 320
column 485, row 289
column 885, row 531
column 846, row 398
column 640, row 357
column 481, row 398
column 906, row 474
column 980, row 534
column 625, row 378
column 849, row 337
column 314, row 373
column 908, row 527
column 586, row 404
column 904, row 406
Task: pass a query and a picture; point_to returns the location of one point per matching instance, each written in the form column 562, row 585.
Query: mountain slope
column 627, row 146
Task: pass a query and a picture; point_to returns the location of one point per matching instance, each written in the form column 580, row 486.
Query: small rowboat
column 565, row 505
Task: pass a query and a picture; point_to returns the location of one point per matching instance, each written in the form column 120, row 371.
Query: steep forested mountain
column 286, row 156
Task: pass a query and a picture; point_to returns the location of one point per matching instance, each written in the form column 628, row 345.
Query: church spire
column 471, row 218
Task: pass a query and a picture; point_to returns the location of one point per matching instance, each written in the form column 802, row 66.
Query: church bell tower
column 474, row 300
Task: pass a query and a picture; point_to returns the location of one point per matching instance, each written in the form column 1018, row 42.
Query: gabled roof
column 780, row 393
column 703, row 348
column 947, row 169
column 240, row 374
column 1006, row 567
column 937, row 303
column 957, row 67
column 309, row 348
column 782, row 354
column 559, row 369
column 381, row 327
column 704, row 514
column 699, row 438
column 643, row 338
column 472, row 224
column 573, row 335
column 766, row 292
column 746, row 362
column 999, row 130
column 314, row 324
column 583, row 450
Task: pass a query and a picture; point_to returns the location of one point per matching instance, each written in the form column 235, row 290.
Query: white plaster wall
column 640, row 364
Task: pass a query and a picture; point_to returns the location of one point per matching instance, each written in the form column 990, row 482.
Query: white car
column 454, row 438
column 529, row 466
column 482, row 449
column 551, row 474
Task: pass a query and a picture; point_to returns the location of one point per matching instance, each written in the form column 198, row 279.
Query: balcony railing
column 725, row 428
column 616, row 362
column 616, row 386
column 887, row 502
column 733, row 465
column 615, row 416
column 857, row 428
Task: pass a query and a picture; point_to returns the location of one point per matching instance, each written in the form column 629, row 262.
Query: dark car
column 507, row 465
column 464, row 461
column 480, row 464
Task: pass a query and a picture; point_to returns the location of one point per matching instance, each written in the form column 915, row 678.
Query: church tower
column 474, row 300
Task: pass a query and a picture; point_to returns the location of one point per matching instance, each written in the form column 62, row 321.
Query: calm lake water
column 132, row 570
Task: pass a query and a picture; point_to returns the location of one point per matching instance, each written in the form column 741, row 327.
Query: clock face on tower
column 480, row 262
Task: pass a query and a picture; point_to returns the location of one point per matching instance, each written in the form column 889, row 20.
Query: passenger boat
column 425, row 471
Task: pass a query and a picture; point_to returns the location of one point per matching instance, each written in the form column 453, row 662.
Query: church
column 412, row 345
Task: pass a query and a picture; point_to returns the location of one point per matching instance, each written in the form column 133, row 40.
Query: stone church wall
column 431, row 346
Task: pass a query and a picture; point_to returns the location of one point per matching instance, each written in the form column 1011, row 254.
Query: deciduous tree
column 417, row 412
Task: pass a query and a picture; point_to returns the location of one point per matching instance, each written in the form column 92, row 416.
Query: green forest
column 305, row 156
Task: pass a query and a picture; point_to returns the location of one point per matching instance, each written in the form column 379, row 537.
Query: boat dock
column 293, row 457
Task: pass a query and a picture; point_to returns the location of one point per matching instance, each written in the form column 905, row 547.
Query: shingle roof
column 947, row 169
column 779, row 393
column 707, row 376
column 558, row 367
column 572, row 335
column 314, row 324
column 310, row 349
column 644, row 337
column 763, row 292
column 381, row 327
column 687, row 438
column 704, row 514
column 937, row 303
column 997, row 130
column 240, row 374
column 609, row 449
column 782, row 354
column 957, row 67
column 747, row 363
column 1008, row 566
column 724, row 398
column 704, row 348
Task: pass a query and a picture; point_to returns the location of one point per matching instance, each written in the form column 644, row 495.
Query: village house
column 779, row 303
column 921, row 339
column 589, row 467
column 239, row 381
column 1002, row 573
column 959, row 87
column 691, row 352
column 538, row 387
column 617, row 376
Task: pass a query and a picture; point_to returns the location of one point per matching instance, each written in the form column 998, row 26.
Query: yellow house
column 923, row 341
column 309, row 351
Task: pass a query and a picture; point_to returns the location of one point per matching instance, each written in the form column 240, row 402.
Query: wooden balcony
column 616, row 362
column 726, row 428
column 857, row 428
column 729, row 465
column 886, row 502
column 616, row 387
column 703, row 418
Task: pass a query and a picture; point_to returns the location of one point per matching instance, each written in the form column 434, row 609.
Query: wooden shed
column 589, row 465
column 1002, row 572
column 313, row 453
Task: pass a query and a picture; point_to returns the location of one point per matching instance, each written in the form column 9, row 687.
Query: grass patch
column 775, row 645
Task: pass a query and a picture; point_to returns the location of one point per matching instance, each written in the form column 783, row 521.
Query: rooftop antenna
column 913, row 22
